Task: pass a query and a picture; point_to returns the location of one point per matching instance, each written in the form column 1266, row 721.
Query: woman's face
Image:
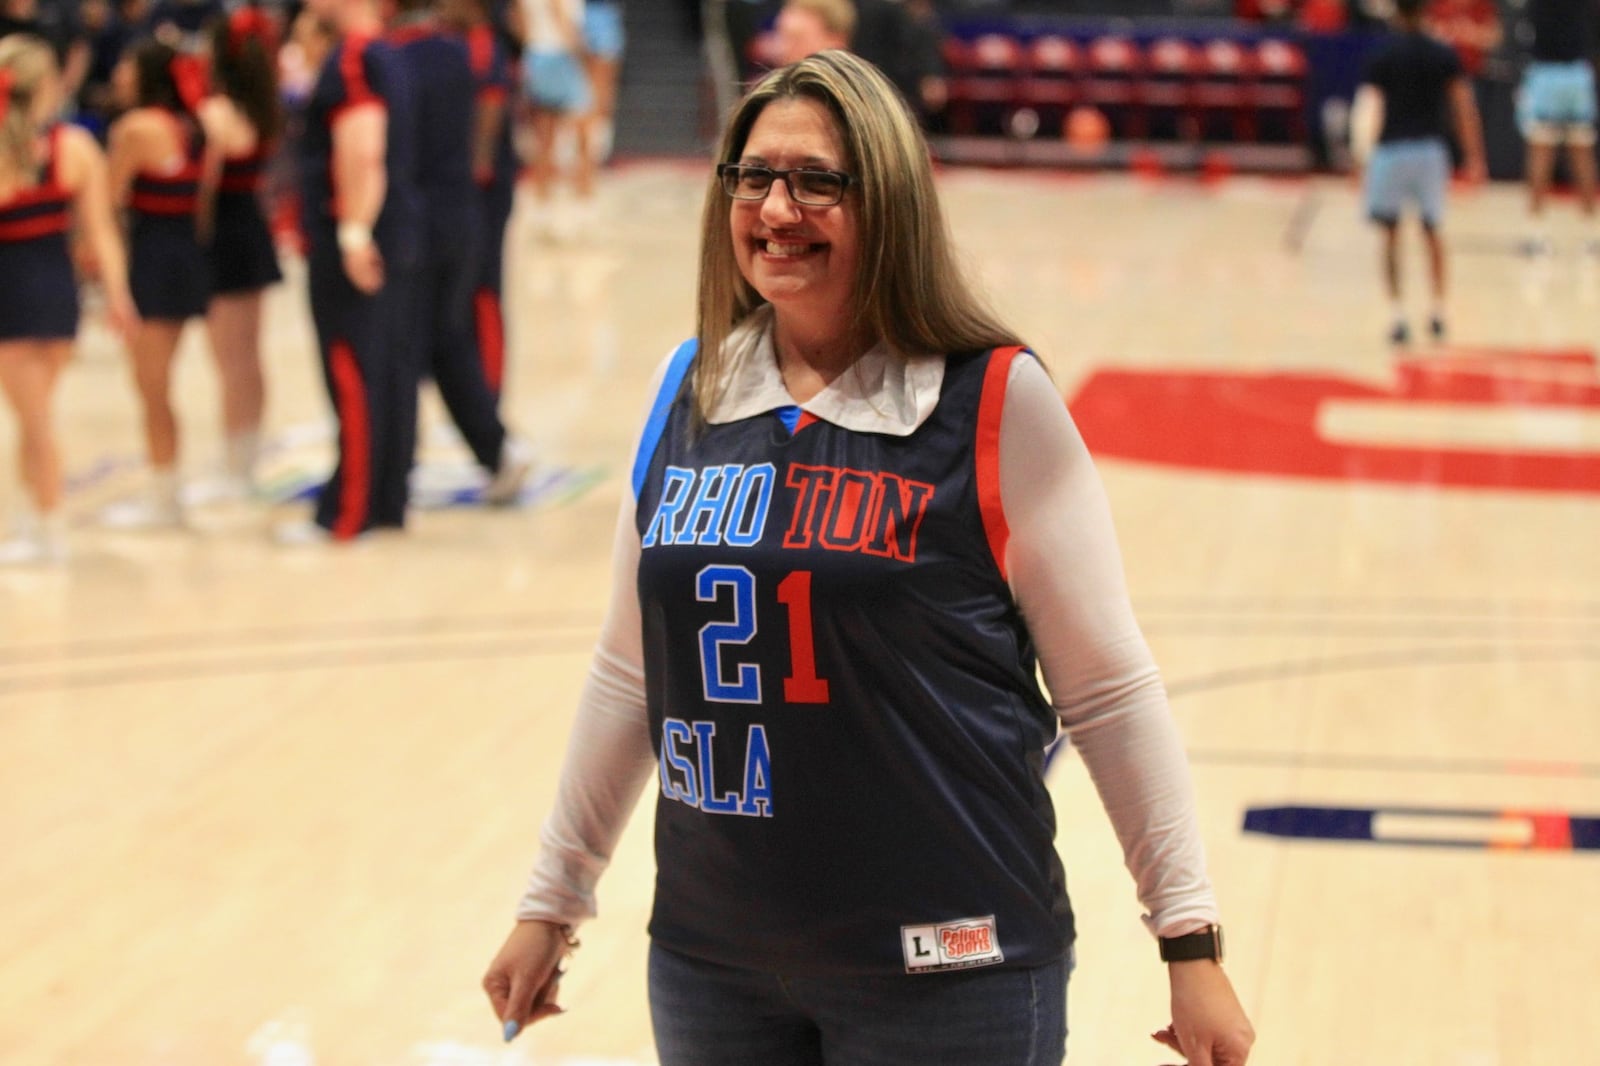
column 800, row 258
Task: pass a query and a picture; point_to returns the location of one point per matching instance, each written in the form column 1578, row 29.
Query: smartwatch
column 1203, row 944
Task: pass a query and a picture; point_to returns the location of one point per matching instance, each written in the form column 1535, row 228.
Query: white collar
column 880, row 393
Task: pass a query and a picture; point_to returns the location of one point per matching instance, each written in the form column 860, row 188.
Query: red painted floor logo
column 1470, row 418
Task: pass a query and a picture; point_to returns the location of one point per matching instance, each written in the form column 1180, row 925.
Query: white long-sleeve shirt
column 1065, row 572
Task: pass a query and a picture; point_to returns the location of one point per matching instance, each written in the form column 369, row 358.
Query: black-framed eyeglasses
column 807, row 185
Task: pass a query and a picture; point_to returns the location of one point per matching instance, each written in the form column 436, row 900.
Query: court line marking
column 1360, row 662
column 1395, row 764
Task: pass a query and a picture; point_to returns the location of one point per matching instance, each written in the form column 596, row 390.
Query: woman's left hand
column 1208, row 1024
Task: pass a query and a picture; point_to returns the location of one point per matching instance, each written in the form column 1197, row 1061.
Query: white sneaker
column 143, row 512
column 36, row 548
column 516, row 461
column 303, row 533
column 224, row 488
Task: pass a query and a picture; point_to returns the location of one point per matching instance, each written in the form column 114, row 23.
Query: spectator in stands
column 1471, row 27
column 106, row 36
column 1324, row 16
column 1264, row 10
column 57, row 24
column 1400, row 108
column 180, row 22
column 806, row 27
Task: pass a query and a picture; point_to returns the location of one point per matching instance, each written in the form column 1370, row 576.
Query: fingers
column 521, row 999
column 497, row 983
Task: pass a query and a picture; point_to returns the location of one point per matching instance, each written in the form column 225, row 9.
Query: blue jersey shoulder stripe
column 677, row 370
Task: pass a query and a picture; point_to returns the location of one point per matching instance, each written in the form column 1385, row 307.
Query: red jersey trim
column 32, row 228
column 354, row 73
column 156, row 204
column 987, row 453
column 480, row 49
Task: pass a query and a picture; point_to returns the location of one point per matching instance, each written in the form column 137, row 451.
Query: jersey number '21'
column 741, row 682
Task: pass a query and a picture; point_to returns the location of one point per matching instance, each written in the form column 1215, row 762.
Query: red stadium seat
column 1113, row 71
column 1278, row 91
column 1052, row 68
column 1168, row 89
column 984, row 84
column 1223, row 99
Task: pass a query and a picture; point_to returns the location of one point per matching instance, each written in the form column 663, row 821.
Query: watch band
column 1203, row 944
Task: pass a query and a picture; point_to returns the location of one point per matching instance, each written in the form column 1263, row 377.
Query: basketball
column 1087, row 129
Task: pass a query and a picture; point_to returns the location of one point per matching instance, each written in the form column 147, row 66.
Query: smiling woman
column 861, row 521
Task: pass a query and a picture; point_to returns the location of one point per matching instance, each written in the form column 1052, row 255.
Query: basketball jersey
column 842, row 696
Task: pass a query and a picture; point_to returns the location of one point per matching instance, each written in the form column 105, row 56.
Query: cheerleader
column 51, row 175
column 243, row 120
column 166, row 175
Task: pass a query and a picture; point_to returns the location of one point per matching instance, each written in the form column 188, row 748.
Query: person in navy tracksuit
column 494, row 172
column 452, row 243
column 363, row 227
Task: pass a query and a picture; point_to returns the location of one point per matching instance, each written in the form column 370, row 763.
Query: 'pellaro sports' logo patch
column 953, row 945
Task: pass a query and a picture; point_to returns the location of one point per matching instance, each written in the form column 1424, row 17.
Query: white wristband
column 354, row 236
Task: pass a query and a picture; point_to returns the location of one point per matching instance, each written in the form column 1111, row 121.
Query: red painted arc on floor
column 1275, row 423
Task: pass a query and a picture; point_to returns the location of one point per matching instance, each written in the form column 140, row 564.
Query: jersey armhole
column 986, row 450
column 656, row 424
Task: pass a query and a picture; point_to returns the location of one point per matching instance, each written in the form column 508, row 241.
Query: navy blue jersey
column 842, row 693
column 362, row 72
column 1563, row 30
column 1414, row 72
column 446, row 96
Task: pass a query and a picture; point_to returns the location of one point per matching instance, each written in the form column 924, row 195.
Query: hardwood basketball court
column 272, row 806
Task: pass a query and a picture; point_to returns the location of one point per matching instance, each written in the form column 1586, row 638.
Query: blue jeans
column 709, row 1015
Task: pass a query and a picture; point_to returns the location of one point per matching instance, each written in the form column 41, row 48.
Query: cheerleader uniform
column 168, row 273
column 243, row 258
column 39, row 299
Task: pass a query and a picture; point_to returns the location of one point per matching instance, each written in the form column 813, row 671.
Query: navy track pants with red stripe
column 370, row 364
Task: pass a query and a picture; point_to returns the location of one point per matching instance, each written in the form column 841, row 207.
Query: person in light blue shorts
column 560, row 98
column 555, row 81
column 603, row 41
column 1401, row 104
column 603, row 34
column 1556, row 106
column 1403, row 173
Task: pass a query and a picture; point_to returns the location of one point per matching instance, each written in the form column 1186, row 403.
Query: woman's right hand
column 525, row 976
